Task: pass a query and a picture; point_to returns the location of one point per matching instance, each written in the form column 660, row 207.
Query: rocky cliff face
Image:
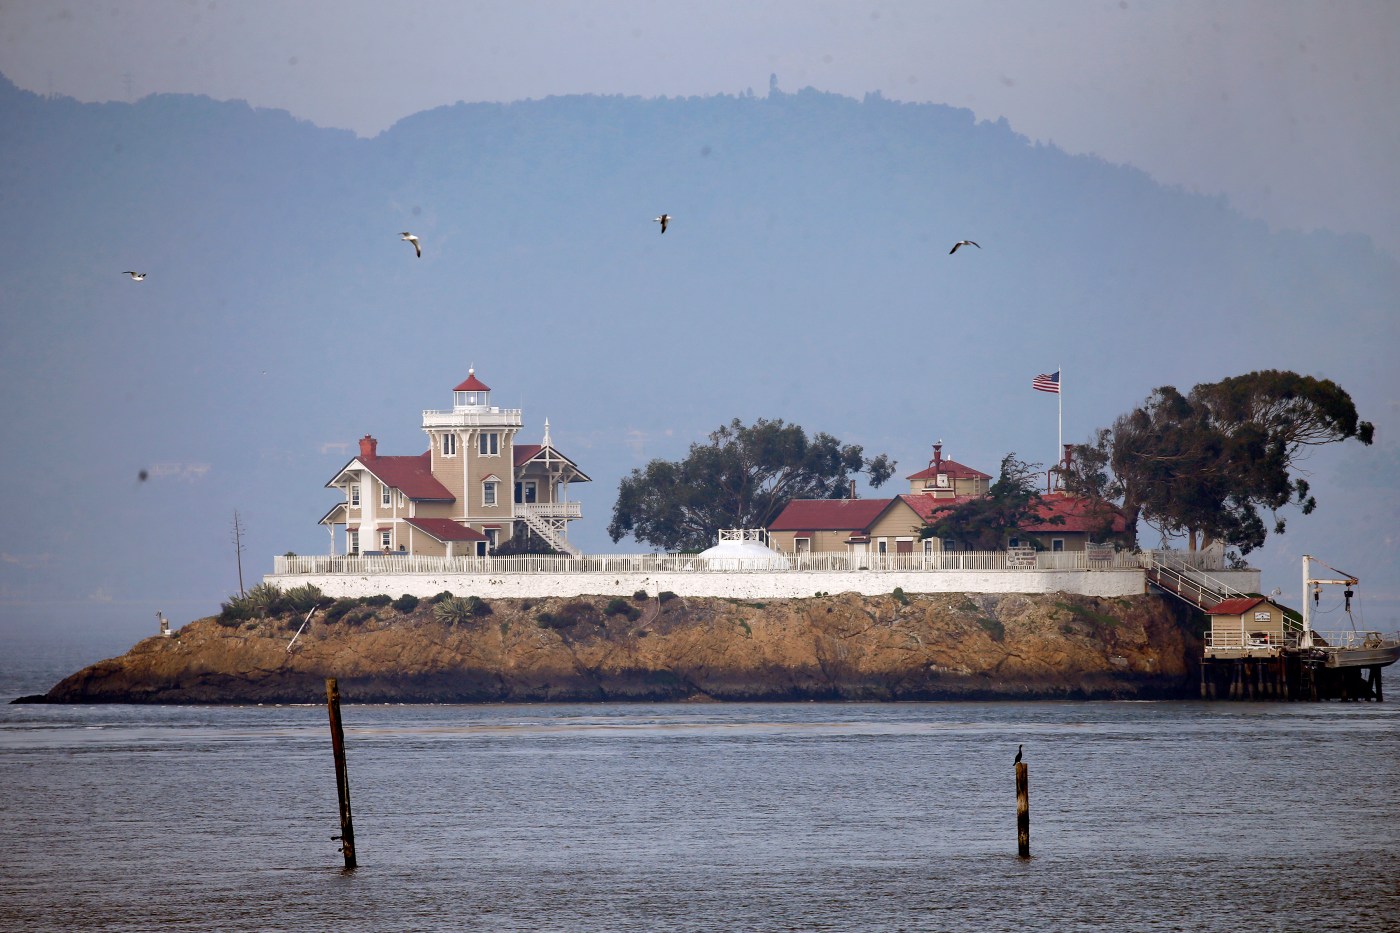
column 846, row 647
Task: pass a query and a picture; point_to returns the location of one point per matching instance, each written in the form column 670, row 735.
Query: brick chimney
column 853, row 490
column 369, row 448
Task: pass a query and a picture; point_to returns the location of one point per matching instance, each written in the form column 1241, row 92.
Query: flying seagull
column 961, row 243
column 135, row 276
column 1018, row 747
column 663, row 220
column 414, row 240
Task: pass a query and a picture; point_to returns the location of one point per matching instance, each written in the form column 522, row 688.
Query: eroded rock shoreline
column 844, row 647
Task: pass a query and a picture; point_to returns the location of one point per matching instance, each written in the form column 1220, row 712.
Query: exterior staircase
column 550, row 524
column 1188, row 584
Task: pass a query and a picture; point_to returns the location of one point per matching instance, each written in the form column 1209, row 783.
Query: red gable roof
column 925, row 505
column 413, row 476
column 953, row 468
column 829, row 514
column 445, row 529
column 1235, row 607
column 472, row 384
column 1077, row 512
column 524, row 452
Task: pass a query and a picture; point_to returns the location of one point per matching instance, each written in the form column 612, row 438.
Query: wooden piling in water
column 342, row 772
column 1023, row 810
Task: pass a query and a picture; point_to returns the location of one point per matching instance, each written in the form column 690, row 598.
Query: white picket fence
column 670, row 563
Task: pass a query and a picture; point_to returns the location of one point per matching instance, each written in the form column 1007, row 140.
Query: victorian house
column 893, row 526
column 474, row 488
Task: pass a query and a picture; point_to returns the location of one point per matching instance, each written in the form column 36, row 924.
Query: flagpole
column 1060, row 451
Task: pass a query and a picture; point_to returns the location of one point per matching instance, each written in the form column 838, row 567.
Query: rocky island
column 664, row 648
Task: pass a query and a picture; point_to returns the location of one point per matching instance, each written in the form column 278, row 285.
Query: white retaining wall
column 748, row 585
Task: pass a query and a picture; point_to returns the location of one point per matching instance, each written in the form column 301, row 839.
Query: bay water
column 1144, row 816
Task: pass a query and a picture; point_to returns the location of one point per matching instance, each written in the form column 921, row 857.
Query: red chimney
column 369, row 448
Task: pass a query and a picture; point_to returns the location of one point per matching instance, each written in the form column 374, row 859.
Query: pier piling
column 342, row 773
column 1023, row 810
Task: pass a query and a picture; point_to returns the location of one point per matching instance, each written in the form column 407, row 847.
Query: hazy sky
column 1287, row 108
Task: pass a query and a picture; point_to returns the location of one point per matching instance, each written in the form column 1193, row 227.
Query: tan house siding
column 1265, row 617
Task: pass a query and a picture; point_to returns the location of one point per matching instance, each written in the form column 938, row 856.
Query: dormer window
column 355, row 495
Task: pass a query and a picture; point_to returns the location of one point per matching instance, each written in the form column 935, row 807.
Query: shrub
column 266, row 599
column 640, row 596
column 579, row 612
column 550, row 620
column 453, row 610
column 359, row 616
column 478, row 606
column 378, row 600
column 666, row 596
column 617, row 607
column 337, row 610
column 234, row 611
column 434, row 600
column 406, row 603
column 303, row 598
column 898, row 594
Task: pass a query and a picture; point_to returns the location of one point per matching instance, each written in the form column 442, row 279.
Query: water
column 1145, row 816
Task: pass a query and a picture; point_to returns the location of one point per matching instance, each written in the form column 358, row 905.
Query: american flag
column 1047, row 382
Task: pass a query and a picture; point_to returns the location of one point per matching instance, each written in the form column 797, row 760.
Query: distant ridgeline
column 804, row 274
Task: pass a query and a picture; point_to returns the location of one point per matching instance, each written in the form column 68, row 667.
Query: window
column 1057, row 544
column 928, row 547
column 949, row 544
column 355, row 494
column 384, row 544
column 352, row 541
column 904, row 545
column 489, row 444
column 882, row 546
column 802, row 545
column 492, row 535
column 386, row 496
column 488, row 493
column 1013, row 542
column 449, row 445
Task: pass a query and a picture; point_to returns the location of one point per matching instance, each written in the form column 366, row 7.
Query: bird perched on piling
column 1018, row 754
column 663, row 220
column 410, row 238
column 961, row 243
column 135, row 276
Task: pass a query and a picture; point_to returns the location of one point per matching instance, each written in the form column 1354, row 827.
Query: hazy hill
column 806, row 277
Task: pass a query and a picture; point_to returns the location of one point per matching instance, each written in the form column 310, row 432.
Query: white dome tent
column 741, row 549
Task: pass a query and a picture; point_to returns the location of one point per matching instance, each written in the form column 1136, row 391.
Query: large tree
column 1205, row 464
column 983, row 523
column 742, row 478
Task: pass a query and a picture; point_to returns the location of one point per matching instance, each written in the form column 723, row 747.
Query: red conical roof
column 472, row 384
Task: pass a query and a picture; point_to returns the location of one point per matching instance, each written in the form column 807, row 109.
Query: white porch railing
column 990, row 561
column 556, row 510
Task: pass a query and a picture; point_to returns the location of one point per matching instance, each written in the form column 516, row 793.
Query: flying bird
column 135, row 276
column 663, row 220
column 1018, row 747
column 410, row 238
column 961, row 243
